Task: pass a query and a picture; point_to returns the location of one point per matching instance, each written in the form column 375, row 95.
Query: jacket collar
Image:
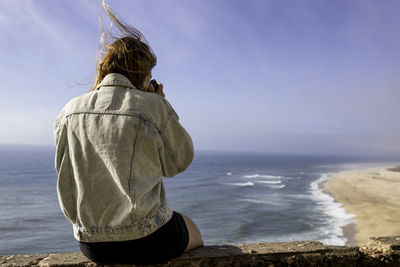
column 115, row 79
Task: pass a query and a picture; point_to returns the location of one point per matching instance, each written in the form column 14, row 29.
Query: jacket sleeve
column 176, row 154
column 59, row 139
column 65, row 186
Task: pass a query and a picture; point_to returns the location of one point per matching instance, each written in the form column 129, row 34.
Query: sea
column 233, row 197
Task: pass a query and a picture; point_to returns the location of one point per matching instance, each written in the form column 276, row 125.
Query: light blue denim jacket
column 114, row 145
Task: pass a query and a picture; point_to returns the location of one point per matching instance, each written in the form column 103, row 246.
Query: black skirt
column 164, row 244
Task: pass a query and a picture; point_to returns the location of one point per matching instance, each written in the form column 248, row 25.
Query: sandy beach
column 373, row 196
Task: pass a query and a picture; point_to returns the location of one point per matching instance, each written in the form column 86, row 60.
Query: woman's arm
column 177, row 151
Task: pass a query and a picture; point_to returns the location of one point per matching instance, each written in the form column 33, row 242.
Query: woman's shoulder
column 78, row 102
column 149, row 102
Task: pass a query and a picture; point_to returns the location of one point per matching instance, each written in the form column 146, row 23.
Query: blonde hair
column 129, row 55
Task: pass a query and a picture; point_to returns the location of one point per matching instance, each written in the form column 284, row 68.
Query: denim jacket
column 113, row 146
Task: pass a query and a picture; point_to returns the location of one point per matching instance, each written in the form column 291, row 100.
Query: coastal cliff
column 380, row 251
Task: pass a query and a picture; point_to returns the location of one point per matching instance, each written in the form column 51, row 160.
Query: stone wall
column 381, row 251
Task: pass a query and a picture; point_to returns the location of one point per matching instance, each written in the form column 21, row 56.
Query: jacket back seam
column 130, row 168
column 117, row 113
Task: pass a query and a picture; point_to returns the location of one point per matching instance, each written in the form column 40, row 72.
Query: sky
column 310, row 76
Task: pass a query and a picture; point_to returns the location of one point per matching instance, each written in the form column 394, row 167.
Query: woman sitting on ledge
column 114, row 145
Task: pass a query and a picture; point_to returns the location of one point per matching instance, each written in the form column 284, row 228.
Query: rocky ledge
column 381, row 251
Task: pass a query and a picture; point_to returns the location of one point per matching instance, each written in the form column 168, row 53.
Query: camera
column 155, row 85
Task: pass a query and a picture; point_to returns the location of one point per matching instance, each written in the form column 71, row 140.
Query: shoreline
column 348, row 229
column 372, row 196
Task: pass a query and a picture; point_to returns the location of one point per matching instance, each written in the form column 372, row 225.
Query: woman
column 114, row 145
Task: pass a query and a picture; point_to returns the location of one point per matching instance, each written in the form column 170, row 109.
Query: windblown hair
column 129, row 55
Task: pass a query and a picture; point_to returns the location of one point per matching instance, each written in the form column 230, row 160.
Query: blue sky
column 271, row 76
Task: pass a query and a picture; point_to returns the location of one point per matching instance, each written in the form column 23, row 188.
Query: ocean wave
column 262, row 201
column 277, row 186
column 293, row 178
column 241, row 184
column 229, row 173
column 300, row 196
column 269, row 182
column 262, row 176
column 327, row 205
